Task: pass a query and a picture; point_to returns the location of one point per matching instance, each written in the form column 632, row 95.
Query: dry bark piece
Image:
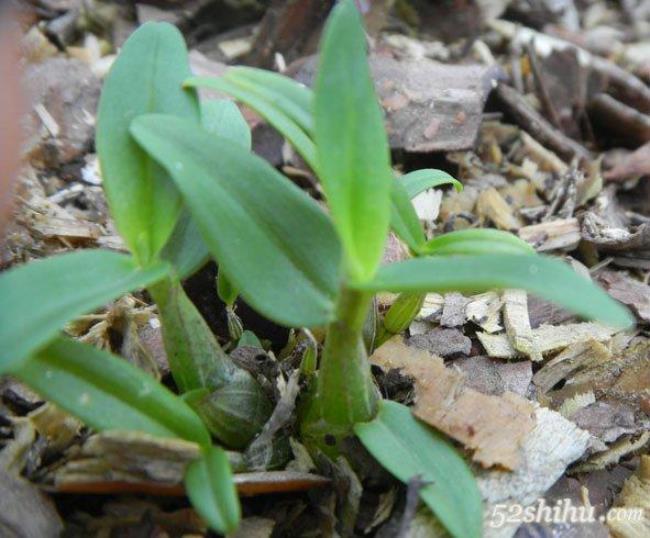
column 620, row 449
column 552, row 445
column 576, row 357
column 453, row 311
column 491, row 207
column 547, row 339
column 606, row 421
column 629, row 291
column 492, row 376
column 635, row 164
column 494, row 427
column 429, row 106
column 254, row 527
column 538, row 127
column 442, row 342
column 485, row 311
column 64, row 95
column 559, row 234
column 517, row 323
column 634, row 496
column 626, row 123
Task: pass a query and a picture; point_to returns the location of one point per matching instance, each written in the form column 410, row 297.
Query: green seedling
column 182, row 185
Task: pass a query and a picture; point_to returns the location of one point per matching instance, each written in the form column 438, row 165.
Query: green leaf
column 409, row 449
column 40, row 297
column 479, row 241
column 195, row 357
column 146, row 77
column 292, row 98
column 226, row 291
column 420, row 180
column 223, row 118
column 403, row 218
column 108, row 393
column 545, row 277
column 274, row 242
column 286, row 126
column 353, row 155
column 185, row 249
column 209, row 485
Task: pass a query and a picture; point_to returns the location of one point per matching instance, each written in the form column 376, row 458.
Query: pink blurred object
column 10, row 112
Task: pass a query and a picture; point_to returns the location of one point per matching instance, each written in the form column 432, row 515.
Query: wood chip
column 560, row 234
column 629, row 291
column 493, row 208
column 574, row 358
column 546, row 338
column 442, row 342
column 453, row 311
column 494, row 427
column 618, row 450
column 485, row 311
column 552, row 445
column 517, row 323
column 635, row 496
column 493, row 376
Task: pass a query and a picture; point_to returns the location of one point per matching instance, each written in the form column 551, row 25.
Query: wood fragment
column 492, row 207
column 494, row 427
column 552, row 445
column 560, row 234
column 574, row 358
column 547, row 338
column 517, row 323
column 485, row 311
column 538, row 127
column 453, row 311
column 618, row 450
column 635, row 497
column 627, row 123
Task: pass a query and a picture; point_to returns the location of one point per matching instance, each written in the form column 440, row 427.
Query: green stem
column 345, row 393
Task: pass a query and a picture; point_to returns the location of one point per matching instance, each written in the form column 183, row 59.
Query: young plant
column 181, row 184
column 338, row 131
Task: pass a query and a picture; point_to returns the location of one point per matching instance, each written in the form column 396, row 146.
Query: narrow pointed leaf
column 209, row 485
column 479, row 241
column 545, row 277
column 353, row 155
column 274, row 242
column 146, row 77
column 420, row 180
column 223, row 118
column 226, row 291
column 185, row 249
column 409, row 449
column 404, row 220
column 40, row 297
column 108, row 393
column 286, row 126
column 289, row 96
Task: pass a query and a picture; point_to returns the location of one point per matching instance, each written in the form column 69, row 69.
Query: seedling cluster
column 183, row 186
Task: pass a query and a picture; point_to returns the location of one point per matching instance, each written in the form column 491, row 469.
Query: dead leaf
column 629, row 291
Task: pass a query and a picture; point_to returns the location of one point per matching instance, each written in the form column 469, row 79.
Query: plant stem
column 345, row 392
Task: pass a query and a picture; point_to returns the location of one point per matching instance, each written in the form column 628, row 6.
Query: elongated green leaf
column 409, row 449
column 289, row 96
column 209, row 485
column 108, row 393
column 274, row 242
column 353, row 155
column 195, row 357
column 403, row 218
column 185, row 249
column 287, row 127
column 40, row 297
column 226, row 291
column 222, row 118
column 420, row 180
column 479, row 241
column 146, row 77
column 545, row 277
